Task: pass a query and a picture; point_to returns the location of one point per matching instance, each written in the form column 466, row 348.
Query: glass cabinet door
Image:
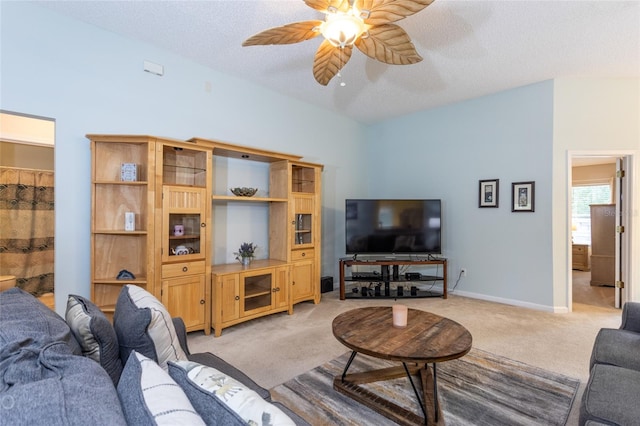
column 257, row 291
column 303, row 228
column 184, row 234
column 302, row 220
column 184, row 223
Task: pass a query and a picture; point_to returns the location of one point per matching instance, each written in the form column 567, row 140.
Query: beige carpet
column 585, row 293
column 276, row 348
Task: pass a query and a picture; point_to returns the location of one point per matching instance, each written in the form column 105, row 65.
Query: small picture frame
column 488, row 193
column 129, row 172
column 523, row 196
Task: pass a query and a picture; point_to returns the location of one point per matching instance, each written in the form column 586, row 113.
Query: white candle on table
column 400, row 313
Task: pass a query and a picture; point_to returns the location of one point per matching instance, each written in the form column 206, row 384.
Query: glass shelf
column 303, row 179
column 181, row 166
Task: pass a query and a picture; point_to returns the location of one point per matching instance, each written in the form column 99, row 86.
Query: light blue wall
column 444, row 152
column 91, row 81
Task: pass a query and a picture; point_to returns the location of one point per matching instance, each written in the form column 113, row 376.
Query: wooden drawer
column 579, row 249
column 306, row 254
column 580, row 257
column 183, row 269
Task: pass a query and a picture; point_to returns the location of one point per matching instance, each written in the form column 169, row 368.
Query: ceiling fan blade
column 329, row 60
column 389, row 44
column 287, row 34
column 324, row 5
column 378, row 12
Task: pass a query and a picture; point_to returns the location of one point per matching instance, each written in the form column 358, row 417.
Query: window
column 582, row 197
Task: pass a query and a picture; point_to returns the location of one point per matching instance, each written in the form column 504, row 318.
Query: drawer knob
column 304, row 254
column 202, row 301
column 185, row 269
column 237, row 297
column 202, row 225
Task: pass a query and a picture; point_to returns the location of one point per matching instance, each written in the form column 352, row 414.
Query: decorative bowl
column 244, row 192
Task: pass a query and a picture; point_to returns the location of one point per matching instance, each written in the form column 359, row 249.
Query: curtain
column 27, row 228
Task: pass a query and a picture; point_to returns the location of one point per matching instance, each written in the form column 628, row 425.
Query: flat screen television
column 374, row 226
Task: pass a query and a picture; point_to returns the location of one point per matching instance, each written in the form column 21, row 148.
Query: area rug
column 478, row 389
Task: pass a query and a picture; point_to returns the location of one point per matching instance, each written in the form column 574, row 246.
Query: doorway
column 596, row 260
column 27, row 205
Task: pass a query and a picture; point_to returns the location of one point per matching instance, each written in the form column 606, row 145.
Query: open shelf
column 378, row 285
column 233, row 198
column 108, row 281
column 393, row 295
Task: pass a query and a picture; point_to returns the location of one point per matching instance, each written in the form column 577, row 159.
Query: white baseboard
column 545, row 308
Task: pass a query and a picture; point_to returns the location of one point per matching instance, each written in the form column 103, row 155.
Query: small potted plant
column 245, row 253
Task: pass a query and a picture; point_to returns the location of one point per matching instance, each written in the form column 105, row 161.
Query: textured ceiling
column 470, row 48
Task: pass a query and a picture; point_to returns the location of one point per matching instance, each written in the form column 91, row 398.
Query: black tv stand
column 377, row 284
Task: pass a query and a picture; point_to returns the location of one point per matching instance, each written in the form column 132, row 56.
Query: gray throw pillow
column 144, row 325
column 95, row 334
column 149, row 396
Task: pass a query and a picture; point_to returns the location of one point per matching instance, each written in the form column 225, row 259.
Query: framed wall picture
column 488, row 193
column 523, row 196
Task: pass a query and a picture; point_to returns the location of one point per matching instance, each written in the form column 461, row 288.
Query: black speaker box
column 326, row 284
column 396, row 272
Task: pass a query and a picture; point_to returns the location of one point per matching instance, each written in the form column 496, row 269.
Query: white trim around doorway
column 631, row 237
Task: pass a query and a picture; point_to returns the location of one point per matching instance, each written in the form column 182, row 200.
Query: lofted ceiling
column 470, row 48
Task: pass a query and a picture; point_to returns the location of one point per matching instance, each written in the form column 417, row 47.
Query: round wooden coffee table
column 427, row 339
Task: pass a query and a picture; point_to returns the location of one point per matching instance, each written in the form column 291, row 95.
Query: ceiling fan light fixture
column 342, row 29
column 371, row 29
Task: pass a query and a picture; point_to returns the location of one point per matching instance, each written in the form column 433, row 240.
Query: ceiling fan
column 367, row 24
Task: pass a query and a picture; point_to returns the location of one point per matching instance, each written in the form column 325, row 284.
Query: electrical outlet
column 463, row 272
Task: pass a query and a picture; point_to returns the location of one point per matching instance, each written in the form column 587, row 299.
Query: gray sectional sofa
column 82, row 370
column 612, row 393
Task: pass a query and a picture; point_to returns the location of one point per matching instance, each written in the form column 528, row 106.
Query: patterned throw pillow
column 207, row 387
column 150, row 397
column 95, row 334
column 144, row 325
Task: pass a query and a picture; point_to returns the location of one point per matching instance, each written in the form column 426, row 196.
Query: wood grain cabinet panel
column 185, row 297
column 242, row 294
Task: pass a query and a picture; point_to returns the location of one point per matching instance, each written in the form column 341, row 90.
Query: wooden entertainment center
column 152, row 225
column 378, row 284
